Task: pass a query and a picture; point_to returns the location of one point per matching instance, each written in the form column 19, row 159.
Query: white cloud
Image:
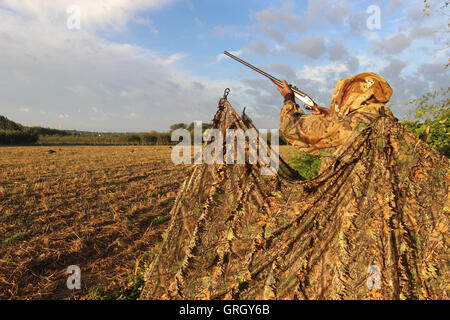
column 112, row 14
column 171, row 59
column 149, row 23
column 85, row 75
column 68, row 71
column 394, row 44
column 312, row 47
column 259, row 47
column 283, row 15
column 337, row 50
column 80, row 90
column 199, row 22
column 321, row 73
column 236, row 53
column 131, row 116
column 24, row 109
column 230, row 31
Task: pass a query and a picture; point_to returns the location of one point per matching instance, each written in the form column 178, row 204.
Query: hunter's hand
column 320, row 111
column 285, row 91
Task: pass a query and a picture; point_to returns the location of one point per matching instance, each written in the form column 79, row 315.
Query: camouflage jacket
column 356, row 102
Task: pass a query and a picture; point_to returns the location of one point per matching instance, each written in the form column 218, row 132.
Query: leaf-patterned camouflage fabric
column 383, row 203
column 356, row 100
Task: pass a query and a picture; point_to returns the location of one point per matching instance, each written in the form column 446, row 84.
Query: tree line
column 90, row 138
column 17, row 137
column 429, row 120
column 14, row 133
column 152, row 138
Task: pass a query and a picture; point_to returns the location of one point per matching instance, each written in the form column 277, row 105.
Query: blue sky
column 140, row 65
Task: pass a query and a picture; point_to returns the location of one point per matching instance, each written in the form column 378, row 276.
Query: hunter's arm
column 290, row 117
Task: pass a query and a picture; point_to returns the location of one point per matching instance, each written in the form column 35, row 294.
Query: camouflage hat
column 353, row 92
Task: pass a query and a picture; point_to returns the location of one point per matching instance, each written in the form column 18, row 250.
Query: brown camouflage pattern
column 356, row 101
column 383, row 202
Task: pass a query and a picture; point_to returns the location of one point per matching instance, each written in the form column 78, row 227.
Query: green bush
column 432, row 110
column 305, row 164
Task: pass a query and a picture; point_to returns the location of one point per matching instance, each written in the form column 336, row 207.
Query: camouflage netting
column 235, row 234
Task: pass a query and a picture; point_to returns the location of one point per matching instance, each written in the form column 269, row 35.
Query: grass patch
column 133, row 289
column 132, row 292
column 15, row 238
column 305, row 164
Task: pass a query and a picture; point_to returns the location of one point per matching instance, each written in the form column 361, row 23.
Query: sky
column 141, row 65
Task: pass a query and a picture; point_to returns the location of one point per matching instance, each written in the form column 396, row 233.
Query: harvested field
column 97, row 207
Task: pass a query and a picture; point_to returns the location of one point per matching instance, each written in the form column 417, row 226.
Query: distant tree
column 7, row 124
column 204, row 126
column 47, row 131
column 134, row 139
column 164, row 139
column 149, row 138
column 178, row 126
column 12, row 137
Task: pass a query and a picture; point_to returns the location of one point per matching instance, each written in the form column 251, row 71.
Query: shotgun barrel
column 308, row 101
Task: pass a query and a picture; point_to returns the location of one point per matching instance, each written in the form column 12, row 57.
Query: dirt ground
column 98, row 207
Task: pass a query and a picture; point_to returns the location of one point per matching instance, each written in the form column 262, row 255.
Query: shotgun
column 310, row 104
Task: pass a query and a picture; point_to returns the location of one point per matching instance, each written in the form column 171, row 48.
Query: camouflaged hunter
column 356, row 101
column 382, row 204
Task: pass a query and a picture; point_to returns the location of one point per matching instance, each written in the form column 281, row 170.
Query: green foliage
column 15, row 238
column 427, row 6
column 47, row 131
column 204, row 126
column 152, row 138
column 163, row 139
column 6, row 124
column 178, row 126
column 12, row 133
column 135, row 283
column 149, row 139
column 432, row 110
column 10, row 137
column 96, row 293
column 305, row 164
column 133, row 139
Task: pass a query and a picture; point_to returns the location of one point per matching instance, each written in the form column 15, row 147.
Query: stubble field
column 98, row 207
